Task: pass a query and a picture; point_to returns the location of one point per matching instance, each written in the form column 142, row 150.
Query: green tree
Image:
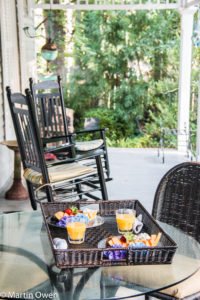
column 121, row 60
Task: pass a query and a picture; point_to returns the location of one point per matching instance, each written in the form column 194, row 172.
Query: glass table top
column 28, row 270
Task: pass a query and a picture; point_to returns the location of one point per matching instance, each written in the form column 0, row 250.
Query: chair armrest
column 89, row 154
column 58, row 138
column 101, row 131
column 76, row 158
column 59, row 148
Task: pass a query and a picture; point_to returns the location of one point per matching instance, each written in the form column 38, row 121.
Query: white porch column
column 198, row 126
column 185, row 77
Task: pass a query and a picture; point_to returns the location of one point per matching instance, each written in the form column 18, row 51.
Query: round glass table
column 28, row 270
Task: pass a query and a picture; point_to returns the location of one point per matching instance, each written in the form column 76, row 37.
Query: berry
column 123, row 239
column 74, row 210
column 68, row 211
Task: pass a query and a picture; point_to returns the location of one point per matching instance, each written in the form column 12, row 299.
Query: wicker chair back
column 177, row 199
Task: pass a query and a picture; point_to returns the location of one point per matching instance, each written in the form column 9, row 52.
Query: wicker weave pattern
column 177, row 199
column 177, row 202
column 89, row 255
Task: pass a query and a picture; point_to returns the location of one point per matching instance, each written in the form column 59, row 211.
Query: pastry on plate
column 91, row 214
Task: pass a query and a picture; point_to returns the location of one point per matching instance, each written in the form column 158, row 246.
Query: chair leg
column 106, row 162
column 49, row 194
column 31, row 195
column 79, row 190
column 101, row 178
column 105, row 155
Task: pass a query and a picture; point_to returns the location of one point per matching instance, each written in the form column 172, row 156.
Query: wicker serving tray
column 89, row 255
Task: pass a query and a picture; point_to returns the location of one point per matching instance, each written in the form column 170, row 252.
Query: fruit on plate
column 147, row 240
column 133, row 240
column 63, row 217
column 72, row 211
column 59, row 215
column 66, row 219
column 129, row 236
column 116, row 241
column 129, row 241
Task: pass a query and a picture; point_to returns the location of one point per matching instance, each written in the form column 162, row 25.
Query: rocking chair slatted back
column 50, row 111
column 68, row 179
column 27, row 135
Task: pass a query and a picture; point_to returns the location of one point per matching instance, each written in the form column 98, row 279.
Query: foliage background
column 126, row 72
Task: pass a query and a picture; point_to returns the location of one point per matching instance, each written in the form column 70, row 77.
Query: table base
column 17, row 191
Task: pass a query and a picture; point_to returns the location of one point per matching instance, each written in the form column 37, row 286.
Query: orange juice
column 125, row 220
column 76, row 232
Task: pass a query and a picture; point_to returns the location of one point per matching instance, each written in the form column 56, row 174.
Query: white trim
column 116, row 4
column 110, row 4
column 187, row 16
column 10, row 57
column 198, row 125
column 30, row 4
column 191, row 3
column 148, row 6
column 112, row 7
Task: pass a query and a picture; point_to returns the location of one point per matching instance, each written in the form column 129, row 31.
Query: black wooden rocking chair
column 66, row 179
column 51, row 115
column 177, row 202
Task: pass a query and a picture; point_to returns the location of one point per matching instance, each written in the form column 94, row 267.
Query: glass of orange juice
column 76, row 232
column 125, row 220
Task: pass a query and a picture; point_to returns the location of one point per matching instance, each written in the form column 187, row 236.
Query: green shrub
column 110, row 119
column 137, row 142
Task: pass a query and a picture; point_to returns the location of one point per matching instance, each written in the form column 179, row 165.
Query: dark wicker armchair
column 177, row 202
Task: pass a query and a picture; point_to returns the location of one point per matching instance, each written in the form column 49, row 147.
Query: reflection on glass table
column 28, row 270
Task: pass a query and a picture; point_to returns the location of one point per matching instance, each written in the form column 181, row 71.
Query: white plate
column 98, row 222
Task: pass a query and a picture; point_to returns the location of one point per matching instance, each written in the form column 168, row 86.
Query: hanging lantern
column 196, row 32
column 49, row 51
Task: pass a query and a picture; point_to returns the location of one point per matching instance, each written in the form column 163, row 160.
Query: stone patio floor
column 136, row 174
